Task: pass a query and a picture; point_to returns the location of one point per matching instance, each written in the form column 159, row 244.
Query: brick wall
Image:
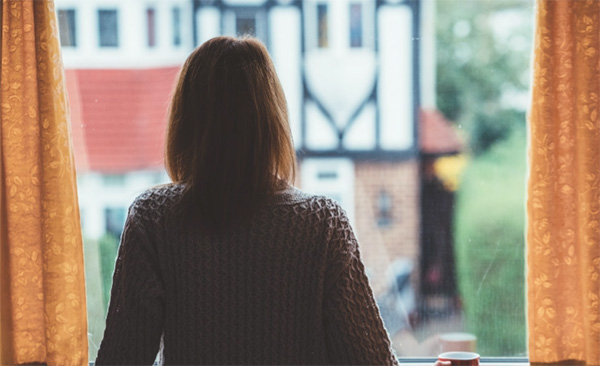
column 382, row 244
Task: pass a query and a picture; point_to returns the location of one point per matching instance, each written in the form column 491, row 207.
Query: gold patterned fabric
column 563, row 207
column 42, row 297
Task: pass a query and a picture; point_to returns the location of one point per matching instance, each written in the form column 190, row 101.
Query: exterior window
column 356, row 25
column 245, row 25
column 384, row 207
column 322, row 23
column 151, row 24
column 108, row 28
column 113, row 180
column 66, row 27
column 115, row 220
column 176, row 26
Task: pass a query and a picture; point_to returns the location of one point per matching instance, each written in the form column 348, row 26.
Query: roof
column 118, row 120
column 118, row 117
column 437, row 135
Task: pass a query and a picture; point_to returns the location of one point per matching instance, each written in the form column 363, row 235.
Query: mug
column 460, row 358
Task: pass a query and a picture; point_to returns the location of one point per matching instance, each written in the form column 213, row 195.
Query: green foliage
column 483, row 66
column 483, row 62
column 108, row 247
column 95, row 305
column 490, row 247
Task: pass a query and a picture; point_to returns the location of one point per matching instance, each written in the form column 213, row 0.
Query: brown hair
column 228, row 137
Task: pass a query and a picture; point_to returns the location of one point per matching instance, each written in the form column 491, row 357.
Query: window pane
column 66, row 27
column 322, row 24
column 115, row 219
column 108, row 28
column 356, row 29
column 151, row 27
column 176, row 27
column 245, row 25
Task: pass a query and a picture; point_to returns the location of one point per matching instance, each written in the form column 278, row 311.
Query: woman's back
column 224, row 265
column 286, row 287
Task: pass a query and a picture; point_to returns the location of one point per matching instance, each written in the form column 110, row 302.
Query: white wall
column 133, row 50
column 95, row 195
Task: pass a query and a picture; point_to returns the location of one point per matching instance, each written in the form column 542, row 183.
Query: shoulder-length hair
column 228, row 137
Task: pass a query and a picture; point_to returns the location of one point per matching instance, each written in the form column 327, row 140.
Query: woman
column 230, row 264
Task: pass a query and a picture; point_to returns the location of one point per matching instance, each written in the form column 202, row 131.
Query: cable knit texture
column 287, row 287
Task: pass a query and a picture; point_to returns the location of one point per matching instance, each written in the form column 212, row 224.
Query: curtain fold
column 563, row 207
column 42, row 299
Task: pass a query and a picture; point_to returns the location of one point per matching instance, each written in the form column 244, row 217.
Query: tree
column 483, row 53
column 483, row 62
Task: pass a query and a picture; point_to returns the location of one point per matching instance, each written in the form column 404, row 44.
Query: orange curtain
column 42, row 297
column 563, row 207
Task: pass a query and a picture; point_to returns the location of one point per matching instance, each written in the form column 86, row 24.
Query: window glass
column 356, row 26
column 410, row 114
column 115, row 219
column 176, row 15
column 245, row 25
column 108, row 28
column 151, row 27
column 67, row 31
column 322, row 24
column 113, row 180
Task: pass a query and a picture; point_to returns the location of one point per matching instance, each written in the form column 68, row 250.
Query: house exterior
column 351, row 72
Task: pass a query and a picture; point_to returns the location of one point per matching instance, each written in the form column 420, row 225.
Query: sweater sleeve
column 134, row 323
column 354, row 331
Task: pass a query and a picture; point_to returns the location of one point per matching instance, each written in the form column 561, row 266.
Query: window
column 151, row 27
column 115, row 219
column 322, row 26
column 66, row 27
column 384, row 208
column 108, row 28
column 245, row 25
column 176, row 15
column 113, row 180
column 438, row 209
column 356, row 25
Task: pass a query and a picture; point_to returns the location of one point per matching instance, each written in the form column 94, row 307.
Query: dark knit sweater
column 287, row 287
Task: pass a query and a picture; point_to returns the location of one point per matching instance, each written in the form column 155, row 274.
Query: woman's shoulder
column 303, row 202
column 152, row 203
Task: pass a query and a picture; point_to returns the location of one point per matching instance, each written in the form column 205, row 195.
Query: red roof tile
column 118, row 117
column 437, row 134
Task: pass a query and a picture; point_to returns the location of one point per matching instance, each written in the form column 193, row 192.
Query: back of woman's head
column 228, row 138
